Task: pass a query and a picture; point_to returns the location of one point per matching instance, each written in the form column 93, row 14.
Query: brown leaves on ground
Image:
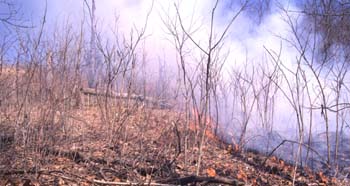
column 143, row 147
column 242, row 176
column 322, row 177
column 211, row 172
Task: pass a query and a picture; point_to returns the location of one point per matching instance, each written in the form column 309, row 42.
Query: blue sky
column 244, row 34
column 32, row 10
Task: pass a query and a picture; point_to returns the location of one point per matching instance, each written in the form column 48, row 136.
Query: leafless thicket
column 44, row 76
column 315, row 85
column 201, row 79
column 46, row 102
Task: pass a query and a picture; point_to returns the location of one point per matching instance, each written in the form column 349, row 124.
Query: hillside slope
column 141, row 147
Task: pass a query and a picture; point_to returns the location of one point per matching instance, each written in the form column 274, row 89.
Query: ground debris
column 150, row 152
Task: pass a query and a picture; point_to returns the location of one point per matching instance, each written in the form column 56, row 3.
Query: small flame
column 194, row 124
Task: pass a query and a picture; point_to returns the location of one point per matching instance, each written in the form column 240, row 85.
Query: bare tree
column 209, row 51
column 92, row 58
column 292, row 88
column 321, row 48
column 339, row 72
column 10, row 15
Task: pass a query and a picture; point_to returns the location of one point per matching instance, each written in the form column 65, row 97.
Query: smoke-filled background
column 276, row 74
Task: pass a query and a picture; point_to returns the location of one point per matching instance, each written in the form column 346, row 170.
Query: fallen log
column 29, row 171
column 195, row 179
column 14, row 172
column 101, row 182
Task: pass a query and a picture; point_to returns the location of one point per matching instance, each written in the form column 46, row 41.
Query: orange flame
column 194, row 124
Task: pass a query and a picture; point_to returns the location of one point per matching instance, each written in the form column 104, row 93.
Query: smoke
column 245, row 36
column 245, row 42
column 250, row 37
